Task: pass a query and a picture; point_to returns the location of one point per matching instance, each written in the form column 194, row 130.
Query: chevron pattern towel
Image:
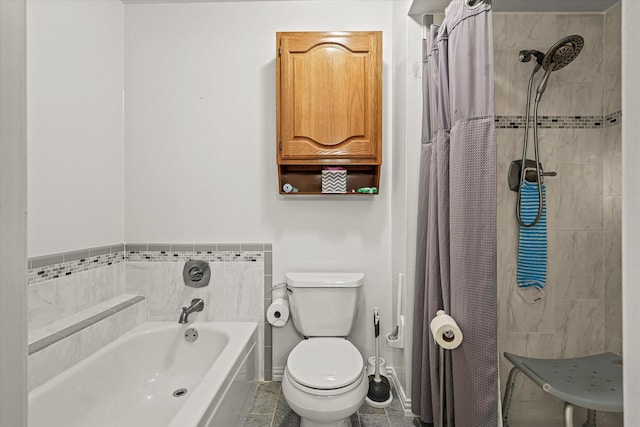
column 532, row 248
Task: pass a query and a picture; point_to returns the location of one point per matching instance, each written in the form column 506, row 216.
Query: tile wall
column 580, row 140
column 63, row 287
column 60, row 285
column 240, row 287
column 81, row 343
column 612, row 188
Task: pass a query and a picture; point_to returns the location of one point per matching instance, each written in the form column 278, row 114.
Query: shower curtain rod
column 422, row 7
column 429, row 7
column 439, row 5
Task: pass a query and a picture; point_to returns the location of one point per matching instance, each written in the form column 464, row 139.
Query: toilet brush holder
column 371, row 367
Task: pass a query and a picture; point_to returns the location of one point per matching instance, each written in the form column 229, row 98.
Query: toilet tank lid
column 316, row 280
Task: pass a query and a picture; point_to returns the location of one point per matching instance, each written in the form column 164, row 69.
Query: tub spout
column 196, row 305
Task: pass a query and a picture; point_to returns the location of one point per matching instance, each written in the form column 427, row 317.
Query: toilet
column 325, row 381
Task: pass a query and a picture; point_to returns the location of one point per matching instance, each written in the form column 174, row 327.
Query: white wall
column 407, row 116
column 630, row 210
column 75, row 128
column 13, row 318
column 200, row 150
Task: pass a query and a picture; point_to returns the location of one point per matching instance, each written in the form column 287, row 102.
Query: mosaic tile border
column 552, row 122
column 613, row 118
column 561, row 122
column 64, row 264
column 54, row 266
column 183, row 256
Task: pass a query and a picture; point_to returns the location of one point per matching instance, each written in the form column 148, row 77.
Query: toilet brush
column 379, row 394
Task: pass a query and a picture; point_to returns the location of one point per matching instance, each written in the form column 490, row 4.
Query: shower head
column 557, row 57
column 563, row 52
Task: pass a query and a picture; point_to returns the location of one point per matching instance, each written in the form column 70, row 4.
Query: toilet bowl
column 325, row 382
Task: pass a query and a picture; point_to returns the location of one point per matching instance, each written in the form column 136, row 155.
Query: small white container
column 371, row 367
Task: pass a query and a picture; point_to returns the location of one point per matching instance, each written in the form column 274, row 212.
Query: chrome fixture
column 180, row 392
column 196, row 274
column 191, row 335
column 196, row 305
column 557, row 57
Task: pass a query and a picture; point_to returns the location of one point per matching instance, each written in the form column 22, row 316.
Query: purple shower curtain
column 456, row 242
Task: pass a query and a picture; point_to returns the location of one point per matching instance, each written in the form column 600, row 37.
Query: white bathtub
column 130, row 382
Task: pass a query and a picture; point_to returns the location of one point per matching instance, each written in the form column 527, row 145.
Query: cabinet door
column 329, row 97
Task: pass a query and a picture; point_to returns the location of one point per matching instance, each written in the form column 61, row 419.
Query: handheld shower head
column 563, row 52
column 557, row 57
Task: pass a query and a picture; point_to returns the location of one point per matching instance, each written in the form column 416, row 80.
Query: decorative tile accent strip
column 613, row 119
column 560, row 122
column 551, row 122
column 66, row 268
column 91, row 319
column 182, row 256
column 64, row 264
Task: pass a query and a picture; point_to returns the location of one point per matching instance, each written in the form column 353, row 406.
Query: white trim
column 13, row 203
column 277, row 374
column 405, row 401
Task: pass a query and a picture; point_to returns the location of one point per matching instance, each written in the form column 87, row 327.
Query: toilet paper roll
column 445, row 331
column 278, row 312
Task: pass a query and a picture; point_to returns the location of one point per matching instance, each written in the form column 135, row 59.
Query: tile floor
column 270, row 409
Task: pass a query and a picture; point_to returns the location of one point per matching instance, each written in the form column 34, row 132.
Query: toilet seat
column 325, row 364
column 330, row 392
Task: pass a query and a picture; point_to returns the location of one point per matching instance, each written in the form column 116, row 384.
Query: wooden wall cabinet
column 329, row 108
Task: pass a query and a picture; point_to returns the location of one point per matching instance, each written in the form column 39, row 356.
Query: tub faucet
column 196, row 305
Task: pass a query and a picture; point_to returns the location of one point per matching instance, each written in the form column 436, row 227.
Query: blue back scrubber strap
column 532, row 246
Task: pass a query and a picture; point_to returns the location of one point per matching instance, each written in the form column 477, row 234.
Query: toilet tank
column 324, row 304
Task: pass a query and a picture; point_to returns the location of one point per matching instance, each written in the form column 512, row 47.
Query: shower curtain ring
column 472, row 4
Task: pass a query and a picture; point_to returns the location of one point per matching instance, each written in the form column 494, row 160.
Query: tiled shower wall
column 580, row 140
column 613, row 184
column 63, row 287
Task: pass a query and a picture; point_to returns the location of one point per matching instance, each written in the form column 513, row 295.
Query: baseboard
column 400, row 394
column 277, row 374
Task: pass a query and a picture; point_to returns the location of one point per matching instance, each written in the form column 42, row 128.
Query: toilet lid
column 325, row 363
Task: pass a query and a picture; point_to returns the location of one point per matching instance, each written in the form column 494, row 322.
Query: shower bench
column 591, row 382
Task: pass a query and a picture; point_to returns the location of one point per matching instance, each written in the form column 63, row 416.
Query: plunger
column 379, row 394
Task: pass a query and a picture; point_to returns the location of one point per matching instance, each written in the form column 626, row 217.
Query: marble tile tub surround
column 73, row 286
column 56, row 331
column 240, row 287
column 70, row 350
column 63, row 284
column 580, row 313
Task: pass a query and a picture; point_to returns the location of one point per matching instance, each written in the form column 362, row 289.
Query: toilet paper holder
column 278, row 311
column 450, row 338
column 281, row 285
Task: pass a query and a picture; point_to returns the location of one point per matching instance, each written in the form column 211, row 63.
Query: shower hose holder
column 515, row 170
